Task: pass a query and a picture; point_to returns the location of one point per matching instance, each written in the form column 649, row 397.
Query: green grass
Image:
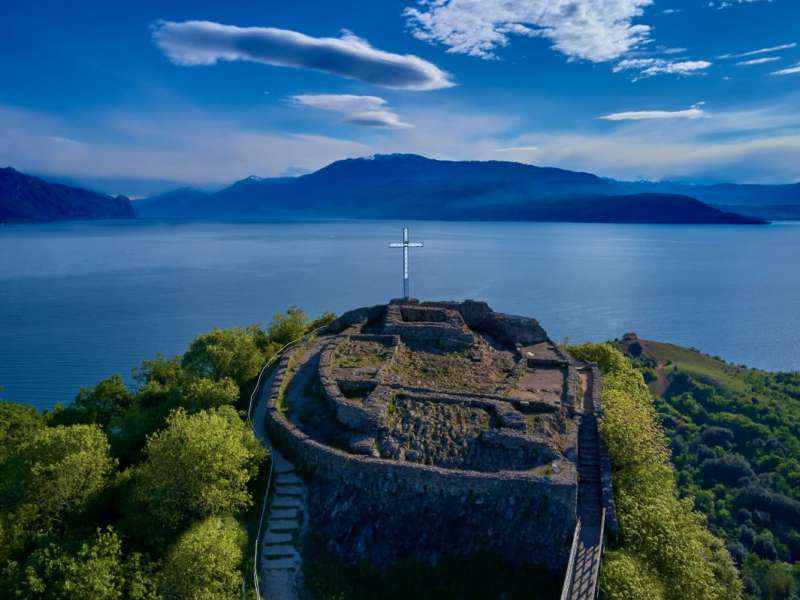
column 701, row 366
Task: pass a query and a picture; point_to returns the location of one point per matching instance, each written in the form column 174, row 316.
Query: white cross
column 405, row 245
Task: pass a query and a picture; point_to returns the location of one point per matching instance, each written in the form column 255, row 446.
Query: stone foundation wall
column 382, row 511
column 449, row 333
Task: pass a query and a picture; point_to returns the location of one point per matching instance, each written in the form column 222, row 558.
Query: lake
column 80, row 301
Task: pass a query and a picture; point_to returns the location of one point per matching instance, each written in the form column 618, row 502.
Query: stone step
column 283, row 513
column 282, row 466
column 286, row 502
column 280, row 564
column 284, row 551
column 288, row 490
column 282, row 525
column 272, row 537
column 288, row 479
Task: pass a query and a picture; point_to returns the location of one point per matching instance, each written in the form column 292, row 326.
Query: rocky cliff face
column 27, row 199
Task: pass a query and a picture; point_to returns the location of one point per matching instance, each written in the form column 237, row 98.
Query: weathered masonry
column 436, row 429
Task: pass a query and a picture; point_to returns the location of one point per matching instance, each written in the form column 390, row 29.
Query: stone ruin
column 434, row 429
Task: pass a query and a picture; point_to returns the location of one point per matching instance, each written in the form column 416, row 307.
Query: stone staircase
column 281, row 563
column 582, row 583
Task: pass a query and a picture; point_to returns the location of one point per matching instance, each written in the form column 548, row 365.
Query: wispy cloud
column 178, row 143
column 591, row 30
column 769, row 50
column 517, row 149
column 758, row 61
column 369, row 111
column 693, row 112
column 649, row 67
column 723, row 4
column 790, row 71
column 192, row 43
column 756, row 145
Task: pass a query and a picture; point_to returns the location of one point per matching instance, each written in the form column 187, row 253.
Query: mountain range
column 28, row 199
column 407, row 186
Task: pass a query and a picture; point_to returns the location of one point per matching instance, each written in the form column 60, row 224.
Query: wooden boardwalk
column 581, row 583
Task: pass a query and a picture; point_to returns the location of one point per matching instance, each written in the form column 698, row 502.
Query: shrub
column 625, row 577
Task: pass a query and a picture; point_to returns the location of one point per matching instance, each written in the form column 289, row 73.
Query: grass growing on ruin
column 291, row 371
column 450, row 371
column 360, row 358
column 664, row 551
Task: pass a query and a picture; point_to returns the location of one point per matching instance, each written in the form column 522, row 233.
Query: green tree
column 105, row 402
column 199, row 466
column 17, row 423
column 202, row 393
column 204, row 562
column 288, row 327
column 52, row 476
column 95, row 570
column 625, row 577
column 222, row 353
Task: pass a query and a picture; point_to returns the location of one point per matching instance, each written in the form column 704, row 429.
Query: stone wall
column 510, row 329
column 447, row 332
column 612, row 525
column 382, row 511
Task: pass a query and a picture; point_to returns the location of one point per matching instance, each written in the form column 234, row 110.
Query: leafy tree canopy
column 220, row 542
column 198, row 466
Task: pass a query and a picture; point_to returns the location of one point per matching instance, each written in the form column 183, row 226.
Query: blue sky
column 140, row 97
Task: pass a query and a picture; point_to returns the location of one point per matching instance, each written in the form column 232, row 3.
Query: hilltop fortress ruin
column 424, row 430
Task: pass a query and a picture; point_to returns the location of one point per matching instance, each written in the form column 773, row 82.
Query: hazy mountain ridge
column 415, row 187
column 24, row 198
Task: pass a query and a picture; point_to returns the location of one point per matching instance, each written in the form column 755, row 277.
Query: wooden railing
column 571, row 563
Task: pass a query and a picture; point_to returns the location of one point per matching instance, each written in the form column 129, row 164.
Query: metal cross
column 405, row 245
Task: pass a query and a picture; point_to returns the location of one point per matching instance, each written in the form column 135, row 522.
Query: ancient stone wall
column 446, row 331
column 612, row 525
column 510, row 329
column 381, row 510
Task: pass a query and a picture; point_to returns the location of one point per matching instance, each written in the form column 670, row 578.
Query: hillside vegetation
column 734, row 434
column 144, row 493
column 664, row 550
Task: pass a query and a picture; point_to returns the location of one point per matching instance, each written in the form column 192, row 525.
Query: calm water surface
column 80, row 301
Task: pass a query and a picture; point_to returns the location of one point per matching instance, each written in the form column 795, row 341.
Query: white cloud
column 769, row 50
column 192, row 43
column 723, row 4
column 790, row 71
column 370, row 111
column 694, row 112
column 758, row 61
column 594, row 30
column 517, row 149
column 648, row 67
column 175, row 144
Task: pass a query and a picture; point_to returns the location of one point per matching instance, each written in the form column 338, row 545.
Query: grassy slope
column 701, row 366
